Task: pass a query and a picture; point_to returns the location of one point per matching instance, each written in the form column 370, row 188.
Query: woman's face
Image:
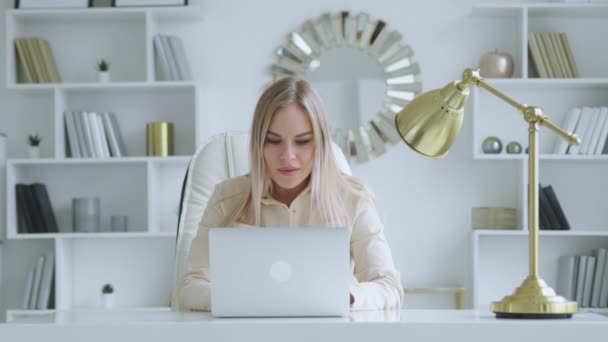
column 289, row 147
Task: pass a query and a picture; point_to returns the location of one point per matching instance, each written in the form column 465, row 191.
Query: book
column 49, row 61
column 117, row 133
column 569, row 125
column 28, row 290
column 604, row 285
column 24, row 223
column 89, row 134
column 161, row 60
column 36, row 60
column 183, row 68
column 566, row 276
column 569, row 54
column 85, row 147
column 536, row 56
column 603, row 133
column 102, row 135
column 173, row 72
column 556, row 207
column 581, row 128
column 588, row 135
column 45, row 72
column 111, row 134
column 73, row 144
column 552, row 54
column 34, row 211
column 544, row 54
column 597, row 130
column 580, row 278
column 600, row 255
column 45, row 282
column 24, row 72
column 46, row 209
column 27, row 54
column 36, row 283
column 589, row 273
column 543, row 220
column 561, row 55
column 545, row 207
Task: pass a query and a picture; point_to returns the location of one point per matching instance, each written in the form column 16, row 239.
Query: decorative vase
column 107, row 300
column 496, row 64
column 159, row 139
column 514, row 147
column 85, row 214
column 118, row 223
column 491, row 145
column 103, row 76
column 33, row 152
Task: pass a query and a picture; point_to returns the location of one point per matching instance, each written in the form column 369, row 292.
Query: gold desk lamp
column 429, row 125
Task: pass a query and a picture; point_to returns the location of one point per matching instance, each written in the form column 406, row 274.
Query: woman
column 294, row 181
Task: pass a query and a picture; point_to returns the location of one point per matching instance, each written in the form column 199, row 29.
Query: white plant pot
column 107, row 300
column 34, row 152
column 103, row 76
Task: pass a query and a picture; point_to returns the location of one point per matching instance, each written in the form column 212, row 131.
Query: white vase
column 103, row 76
column 107, row 300
column 34, row 152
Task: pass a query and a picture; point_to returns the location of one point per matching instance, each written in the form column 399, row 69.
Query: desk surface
column 430, row 325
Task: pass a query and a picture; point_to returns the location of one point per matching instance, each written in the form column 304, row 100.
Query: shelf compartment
column 494, row 117
column 79, row 39
column 129, row 265
column 121, row 188
column 133, row 108
column 501, row 261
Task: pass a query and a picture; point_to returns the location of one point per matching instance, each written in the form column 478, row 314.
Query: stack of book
column 584, row 278
column 93, row 135
column 551, row 55
column 39, row 286
column 590, row 124
column 34, row 209
column 550, row 213
column 35, row 61
column 170, row 56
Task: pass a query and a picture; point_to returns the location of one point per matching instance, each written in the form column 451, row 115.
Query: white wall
column 426, row 202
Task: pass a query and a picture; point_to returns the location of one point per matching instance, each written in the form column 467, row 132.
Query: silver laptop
column 279, row 272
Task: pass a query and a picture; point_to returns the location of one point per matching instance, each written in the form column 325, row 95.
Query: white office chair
column 221, row 157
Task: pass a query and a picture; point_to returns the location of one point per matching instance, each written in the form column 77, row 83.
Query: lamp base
column 534, row 299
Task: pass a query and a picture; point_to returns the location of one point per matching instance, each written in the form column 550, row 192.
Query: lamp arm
column 530, row 113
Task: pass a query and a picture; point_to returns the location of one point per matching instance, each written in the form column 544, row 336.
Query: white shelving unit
column 500, row 258
column 138, row 263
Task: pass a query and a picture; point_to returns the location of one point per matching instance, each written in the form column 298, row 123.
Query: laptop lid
column 279, row 272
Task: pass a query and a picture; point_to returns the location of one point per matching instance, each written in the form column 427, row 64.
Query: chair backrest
column 223, row 156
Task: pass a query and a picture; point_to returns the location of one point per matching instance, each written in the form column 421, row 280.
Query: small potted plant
column 34, row 145
column 107, row 296
column 103, row 71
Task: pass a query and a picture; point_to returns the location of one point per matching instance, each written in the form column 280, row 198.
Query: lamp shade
column 431, row 122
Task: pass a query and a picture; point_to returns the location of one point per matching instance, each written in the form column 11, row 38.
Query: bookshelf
column 139, row 262
column 500, row 258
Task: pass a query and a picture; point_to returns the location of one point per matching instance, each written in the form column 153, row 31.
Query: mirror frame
column 299, row 56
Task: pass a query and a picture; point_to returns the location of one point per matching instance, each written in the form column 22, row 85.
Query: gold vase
column 159, row 139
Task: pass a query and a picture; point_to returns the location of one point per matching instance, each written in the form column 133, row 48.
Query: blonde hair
column 326, row 180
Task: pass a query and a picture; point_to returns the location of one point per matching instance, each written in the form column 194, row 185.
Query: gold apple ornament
column 496, row 64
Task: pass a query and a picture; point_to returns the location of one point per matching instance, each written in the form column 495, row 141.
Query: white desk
column 371, row 326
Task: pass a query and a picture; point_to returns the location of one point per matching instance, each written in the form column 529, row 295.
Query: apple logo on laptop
column 280, row 271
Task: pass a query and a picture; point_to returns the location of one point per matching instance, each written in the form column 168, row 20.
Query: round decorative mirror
column 364, row 73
